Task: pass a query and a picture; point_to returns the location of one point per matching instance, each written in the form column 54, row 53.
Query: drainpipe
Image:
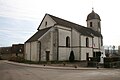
column 80, row 47
column 92, row 45
column 57, row 45
column 99, row 43
column 39, row 48
column 30, row 51
column 71, row 40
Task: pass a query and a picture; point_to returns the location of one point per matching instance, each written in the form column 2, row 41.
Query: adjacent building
column 5, row 52
column 14, row 50
column 18, row 50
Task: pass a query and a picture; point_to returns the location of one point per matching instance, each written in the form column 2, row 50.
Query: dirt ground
column 16, row 72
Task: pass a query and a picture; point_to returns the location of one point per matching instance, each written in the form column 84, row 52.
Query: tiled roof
column 38, row 34
column 83, row 30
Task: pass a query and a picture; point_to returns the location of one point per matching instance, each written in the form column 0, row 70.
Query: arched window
column 67, row 41
column 87, row 42
column 46, row 24
column 91, row 24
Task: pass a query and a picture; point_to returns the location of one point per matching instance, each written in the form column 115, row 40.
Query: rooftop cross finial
column 92, row 5
column 92, row 9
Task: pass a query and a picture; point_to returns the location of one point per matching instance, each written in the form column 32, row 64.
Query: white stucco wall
column 27, row 51
column 54, row 43
column 84, row 51
column 63, row 33
column 77, row 53
column 76, row 44
column 83, row 41
column 90, row 42
column 64, row 51
column 95, row 42
column 64, row 54
column 100, row 42
column 32, row 48
column 75, row 38
column 49, row 20
column 34, row 52
column 94, row 24
column 31, row 51
column 46, row 45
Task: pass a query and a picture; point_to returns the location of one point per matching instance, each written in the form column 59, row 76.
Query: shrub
column 71, row 57
column 16, row 59
column 0, row 58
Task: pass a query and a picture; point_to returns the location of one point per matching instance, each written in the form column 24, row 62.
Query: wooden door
column 87, row 56
column 47, row 55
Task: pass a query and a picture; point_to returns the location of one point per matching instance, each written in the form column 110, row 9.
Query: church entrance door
column 47, row 55
column 87, row 56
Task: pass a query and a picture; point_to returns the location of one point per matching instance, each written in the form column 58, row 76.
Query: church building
column 56, row 38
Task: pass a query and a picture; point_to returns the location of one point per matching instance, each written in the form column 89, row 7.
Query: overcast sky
column 19, row 19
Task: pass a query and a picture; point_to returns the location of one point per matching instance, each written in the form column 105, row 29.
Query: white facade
column 46, row 22
column 31, row 51
column 64, row 51
column 60, row 39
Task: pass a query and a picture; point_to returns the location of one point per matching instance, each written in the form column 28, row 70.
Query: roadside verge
column 51, row 67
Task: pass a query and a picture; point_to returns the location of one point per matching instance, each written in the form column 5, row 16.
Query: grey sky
column 19, row 19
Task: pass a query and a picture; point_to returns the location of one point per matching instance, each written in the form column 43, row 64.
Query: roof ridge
column 64, row 20
column 82, row 29
column 44, row 28
column 38, row 34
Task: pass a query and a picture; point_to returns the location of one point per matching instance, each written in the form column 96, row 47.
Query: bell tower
column 94, row 21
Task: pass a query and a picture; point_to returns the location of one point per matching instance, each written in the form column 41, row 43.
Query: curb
column 50, row 67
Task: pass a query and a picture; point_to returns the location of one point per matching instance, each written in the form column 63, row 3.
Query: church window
column 46, row 23
column 67, row 41
column 91, row 24
column 87, row 42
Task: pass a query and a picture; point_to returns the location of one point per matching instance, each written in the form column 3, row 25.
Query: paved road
column 15, row 72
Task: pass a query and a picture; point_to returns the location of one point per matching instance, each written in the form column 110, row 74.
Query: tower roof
column 93, row 15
